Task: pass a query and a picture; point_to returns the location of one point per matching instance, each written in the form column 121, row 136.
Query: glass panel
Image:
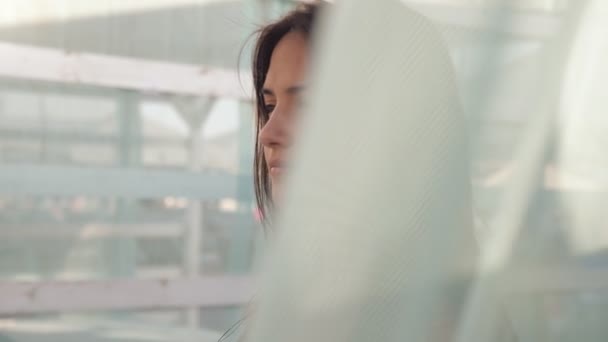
column 112, row 180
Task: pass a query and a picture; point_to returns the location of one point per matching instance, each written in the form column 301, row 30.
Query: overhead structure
column 55, row 65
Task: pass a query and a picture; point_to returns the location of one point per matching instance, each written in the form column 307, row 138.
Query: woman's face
column 282, row 92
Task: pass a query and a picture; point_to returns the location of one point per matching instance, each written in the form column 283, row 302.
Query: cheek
column 290, row 127
column 266, row 153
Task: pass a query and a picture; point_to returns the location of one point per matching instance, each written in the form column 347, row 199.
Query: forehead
column 288, row 62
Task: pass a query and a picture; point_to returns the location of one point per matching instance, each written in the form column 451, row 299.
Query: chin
column 276, row 194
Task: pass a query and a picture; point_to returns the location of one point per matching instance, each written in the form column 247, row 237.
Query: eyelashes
column 296, row 105
column 269, row 109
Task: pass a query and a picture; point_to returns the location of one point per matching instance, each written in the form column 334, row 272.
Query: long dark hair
column 301, row 20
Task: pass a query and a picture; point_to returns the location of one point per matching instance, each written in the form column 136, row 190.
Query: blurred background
column 126, row 149
column 126, row 139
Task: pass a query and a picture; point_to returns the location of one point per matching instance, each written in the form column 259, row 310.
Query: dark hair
column 301, row 20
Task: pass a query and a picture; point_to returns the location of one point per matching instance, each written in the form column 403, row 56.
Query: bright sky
column 19, row 12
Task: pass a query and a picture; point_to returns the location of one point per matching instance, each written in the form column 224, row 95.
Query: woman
column 280, row 64
column 280, row 68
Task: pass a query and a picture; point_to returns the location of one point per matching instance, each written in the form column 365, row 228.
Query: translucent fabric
column 450, row 180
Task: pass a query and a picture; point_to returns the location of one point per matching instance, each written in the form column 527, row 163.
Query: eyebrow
column 290, row 90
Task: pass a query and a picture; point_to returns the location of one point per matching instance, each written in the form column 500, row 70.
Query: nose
column 275, row 132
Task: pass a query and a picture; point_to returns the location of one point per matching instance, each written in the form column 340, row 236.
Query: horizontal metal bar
column 90, row 231
column 18, row 298
column 55, row 65
column 86, row 137
column 48, row 180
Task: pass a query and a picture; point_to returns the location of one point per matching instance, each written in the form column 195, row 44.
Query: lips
column 276, row 172
column 276, row 167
